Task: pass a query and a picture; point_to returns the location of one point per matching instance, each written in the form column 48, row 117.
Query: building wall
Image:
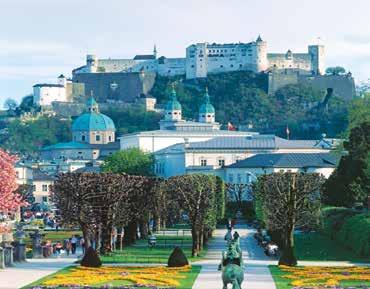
column 41, row 190
column 24, row 175
column 45, row 95
column 75, row 154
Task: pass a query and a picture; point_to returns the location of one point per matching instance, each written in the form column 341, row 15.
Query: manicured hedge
column 355, row 233
column 349, row 227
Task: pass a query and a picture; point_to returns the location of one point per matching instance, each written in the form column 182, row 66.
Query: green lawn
column 54, row 236
column 185, row 283
column 315, row 246
column 284, row 283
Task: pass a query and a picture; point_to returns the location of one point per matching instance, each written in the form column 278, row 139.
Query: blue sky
column 40, row 39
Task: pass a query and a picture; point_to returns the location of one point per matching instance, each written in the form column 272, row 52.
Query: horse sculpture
column 232, row 264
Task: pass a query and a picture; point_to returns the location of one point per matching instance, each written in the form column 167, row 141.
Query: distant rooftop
column 288, row 160
column 144, row 57
column 47, row 85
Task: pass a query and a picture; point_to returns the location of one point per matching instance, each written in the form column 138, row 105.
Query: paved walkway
column 25, row 273
column 256, row 274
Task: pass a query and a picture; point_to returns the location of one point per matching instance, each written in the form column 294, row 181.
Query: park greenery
column 129, row 197
column 287, row 201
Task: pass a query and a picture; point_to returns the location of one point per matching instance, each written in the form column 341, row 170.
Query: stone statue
column 232, row 266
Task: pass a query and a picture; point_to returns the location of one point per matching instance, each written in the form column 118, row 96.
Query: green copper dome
column 173, row 103
column 206, row 107
column 93, row 120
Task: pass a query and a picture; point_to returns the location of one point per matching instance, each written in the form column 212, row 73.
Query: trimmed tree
column 289, row 200
column 197, row 194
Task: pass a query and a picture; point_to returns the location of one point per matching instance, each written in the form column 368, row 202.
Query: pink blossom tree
column 10, row 201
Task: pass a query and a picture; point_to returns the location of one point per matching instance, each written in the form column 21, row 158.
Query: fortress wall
column 129, row 85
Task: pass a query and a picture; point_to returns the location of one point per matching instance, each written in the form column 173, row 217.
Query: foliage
column 30, row 136
column 350, row 182
column 177, row 258
column 132, row 119
column 289, row 200
column 27, row 105
column 91, row 259
column 131, row 161
column 197, row 195
column 336, row 70
column 355, row 233
column 10, row 104
column 241, row 98
column 97, row 201
column 359, row 111
column 10, row 200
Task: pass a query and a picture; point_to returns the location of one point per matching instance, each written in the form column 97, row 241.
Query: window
column 83, row 138
column 44, row 188
column 248, row 178
column 34, row 188
column 203, row 162
column 110, row 138
column 221, row 162
column 97, row 137
column 44, row 199
column 17, row 174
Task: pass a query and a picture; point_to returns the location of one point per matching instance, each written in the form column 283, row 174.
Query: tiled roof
column 144, row 57
column 88, row 169
column 252, row 142
column 67, row 145
column 38, row 175
column 288, row 160
column 47, row 85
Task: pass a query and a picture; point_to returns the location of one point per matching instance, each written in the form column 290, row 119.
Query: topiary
column 91, row 259
column 177, row 258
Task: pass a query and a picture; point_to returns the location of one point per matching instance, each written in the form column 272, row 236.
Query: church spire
column 155, row 51
column 91, row 103
column 206, row 110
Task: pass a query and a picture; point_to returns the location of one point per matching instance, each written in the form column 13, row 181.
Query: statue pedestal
column 8, row 256
column 36, row 244
column 2, row 263
column 19, row 254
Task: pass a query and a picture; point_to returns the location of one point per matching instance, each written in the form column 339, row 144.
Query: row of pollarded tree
column 98, row 202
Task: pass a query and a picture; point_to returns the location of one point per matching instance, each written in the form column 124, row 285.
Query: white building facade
column 45, row 94
column 204, row 58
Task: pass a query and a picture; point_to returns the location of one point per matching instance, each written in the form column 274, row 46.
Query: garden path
column 22, row 274
column 256, row 275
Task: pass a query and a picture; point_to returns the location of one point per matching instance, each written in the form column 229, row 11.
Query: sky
column 41, row 39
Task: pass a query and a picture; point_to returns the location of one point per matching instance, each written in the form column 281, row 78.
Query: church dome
column 206, row 107
column 173, row 103
column 93, row 120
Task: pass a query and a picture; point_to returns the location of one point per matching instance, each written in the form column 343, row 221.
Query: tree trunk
column 157, row 223
column 288, row 258
column 143, row 226
column 106, row 236
column 86, row 236
column 201, row 239
column 195, row 247
column 130, row 233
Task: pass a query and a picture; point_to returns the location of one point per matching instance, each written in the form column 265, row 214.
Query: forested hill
column 241, row 98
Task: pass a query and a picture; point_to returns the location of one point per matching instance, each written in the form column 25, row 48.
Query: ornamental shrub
column 91, row 259
column 355, row 234
column 333, row 219
column 177, row 258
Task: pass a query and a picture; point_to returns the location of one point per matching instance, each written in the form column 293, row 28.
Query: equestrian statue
column 232, row 266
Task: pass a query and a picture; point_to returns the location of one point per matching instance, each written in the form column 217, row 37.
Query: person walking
column 82, row 244
column 74, row 244
column 68, row 246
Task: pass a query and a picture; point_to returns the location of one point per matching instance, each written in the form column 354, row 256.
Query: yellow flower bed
column 158, row 276
column 331, row 276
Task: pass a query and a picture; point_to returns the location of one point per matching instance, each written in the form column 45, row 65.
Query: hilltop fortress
column 204, row 58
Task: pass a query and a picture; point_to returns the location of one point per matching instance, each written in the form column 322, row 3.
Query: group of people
column 69, row 246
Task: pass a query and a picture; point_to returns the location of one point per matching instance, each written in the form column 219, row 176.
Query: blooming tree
column 10, row 201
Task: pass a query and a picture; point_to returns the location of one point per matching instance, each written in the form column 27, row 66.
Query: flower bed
column 326, row 277
column 120, row 277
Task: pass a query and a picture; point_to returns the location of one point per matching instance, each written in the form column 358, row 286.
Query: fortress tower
column 260, row 51
column 91, row 63
column 317, row 53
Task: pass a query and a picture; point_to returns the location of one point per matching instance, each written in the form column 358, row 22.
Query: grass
column 54, row 236
column 315, row 246
column 284, row 283
column 185, row 283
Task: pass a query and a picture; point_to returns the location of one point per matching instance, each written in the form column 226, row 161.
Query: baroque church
column 93, row 137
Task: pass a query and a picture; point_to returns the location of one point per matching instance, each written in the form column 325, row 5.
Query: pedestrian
column 82, row 244
column 233, row 223
column 58, row 248
column 68, row 247
column 74, row 244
